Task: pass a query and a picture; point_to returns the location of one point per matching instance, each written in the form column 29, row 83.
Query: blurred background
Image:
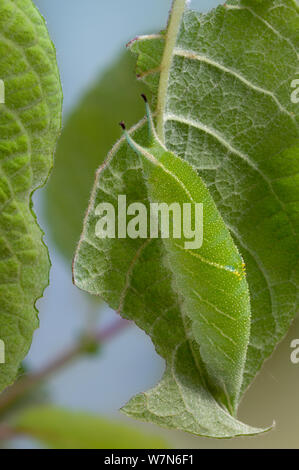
column 100, row 90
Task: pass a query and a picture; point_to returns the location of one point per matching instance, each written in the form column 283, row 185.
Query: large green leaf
column 29, row 125
column 62, row 429
column 87, row 136
column 236, row 123
column 223, row 104
column 131, row 276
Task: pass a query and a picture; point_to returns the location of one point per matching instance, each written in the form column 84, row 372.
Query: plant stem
column 24, row 385
column 6, row 432
column 177, row 11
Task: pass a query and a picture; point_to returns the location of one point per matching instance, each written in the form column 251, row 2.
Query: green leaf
column 131, row 276
column 30, row 122
column 224, row 105
column 62, row 429
column 87, row 136
column 236, row 123
column 149, row 54
column 274, row 302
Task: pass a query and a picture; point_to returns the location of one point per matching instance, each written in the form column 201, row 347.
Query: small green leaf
column 87, row 136
column 149, row 53
column 30, row 121
column 62, row 429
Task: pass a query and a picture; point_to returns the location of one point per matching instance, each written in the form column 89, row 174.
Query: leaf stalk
column 174, row 23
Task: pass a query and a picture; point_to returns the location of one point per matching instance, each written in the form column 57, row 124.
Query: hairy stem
column 177, row 11
column 30, row 381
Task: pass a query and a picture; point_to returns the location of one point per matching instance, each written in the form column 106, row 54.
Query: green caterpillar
column 220, row 325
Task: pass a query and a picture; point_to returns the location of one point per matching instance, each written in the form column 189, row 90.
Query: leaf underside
column 228, row 112
column 30, row 122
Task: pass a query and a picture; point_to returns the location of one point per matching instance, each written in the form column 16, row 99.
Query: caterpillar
column 210, row 280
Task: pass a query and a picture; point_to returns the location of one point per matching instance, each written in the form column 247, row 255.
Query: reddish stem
column 25, row 384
